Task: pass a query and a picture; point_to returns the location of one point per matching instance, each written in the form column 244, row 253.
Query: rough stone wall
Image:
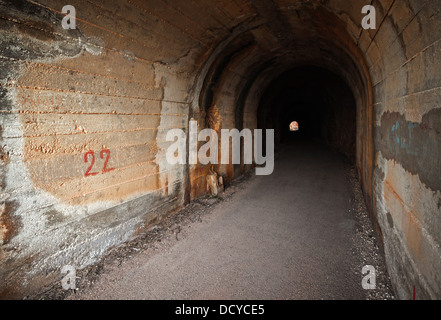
column 108, row 92
column 83, row 123
column 405, row 66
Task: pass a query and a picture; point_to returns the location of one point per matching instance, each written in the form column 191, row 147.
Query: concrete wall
column 134, row 69
column 405, row 67
column 104, row 94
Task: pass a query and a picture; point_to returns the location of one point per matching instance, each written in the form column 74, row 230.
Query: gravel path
column 300, row 233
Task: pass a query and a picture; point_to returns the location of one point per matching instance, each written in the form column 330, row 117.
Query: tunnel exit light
column 294, row 126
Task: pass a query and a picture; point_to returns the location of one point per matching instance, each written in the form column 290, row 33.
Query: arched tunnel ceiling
column 281, row 35
column 272, row 37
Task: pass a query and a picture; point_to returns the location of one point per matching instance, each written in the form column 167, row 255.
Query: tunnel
column 319, row 101
column 86, row 108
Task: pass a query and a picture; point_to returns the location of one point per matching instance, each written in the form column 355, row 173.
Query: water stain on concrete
column 413, row 145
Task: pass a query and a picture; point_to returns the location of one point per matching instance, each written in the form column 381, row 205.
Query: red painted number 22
column 92, row 153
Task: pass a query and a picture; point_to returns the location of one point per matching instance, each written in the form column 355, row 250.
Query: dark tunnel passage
column 319, row 101
column 86, row 112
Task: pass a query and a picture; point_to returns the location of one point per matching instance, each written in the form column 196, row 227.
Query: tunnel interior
column 85, row 114
column 310, row 73
column 319, row 101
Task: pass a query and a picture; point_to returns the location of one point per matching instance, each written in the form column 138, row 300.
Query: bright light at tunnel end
column 208, row 153
column 294, row 126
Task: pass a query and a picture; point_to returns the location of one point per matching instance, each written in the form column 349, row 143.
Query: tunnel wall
column 404, row 58
column 109, row 90
column 84, row 118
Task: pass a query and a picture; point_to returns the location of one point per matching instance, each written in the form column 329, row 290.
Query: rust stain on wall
column 9, row 224
column 73, row 106
column 64, row 152
column 72, row 145
column 405, row 219
column 213, row 118
column 197, row 180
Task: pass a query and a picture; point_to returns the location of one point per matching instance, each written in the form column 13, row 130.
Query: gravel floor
column 366, row 246
column 138, row 260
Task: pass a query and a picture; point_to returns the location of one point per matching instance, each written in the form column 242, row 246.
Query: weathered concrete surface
column 82, row 133
column 108, row 92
